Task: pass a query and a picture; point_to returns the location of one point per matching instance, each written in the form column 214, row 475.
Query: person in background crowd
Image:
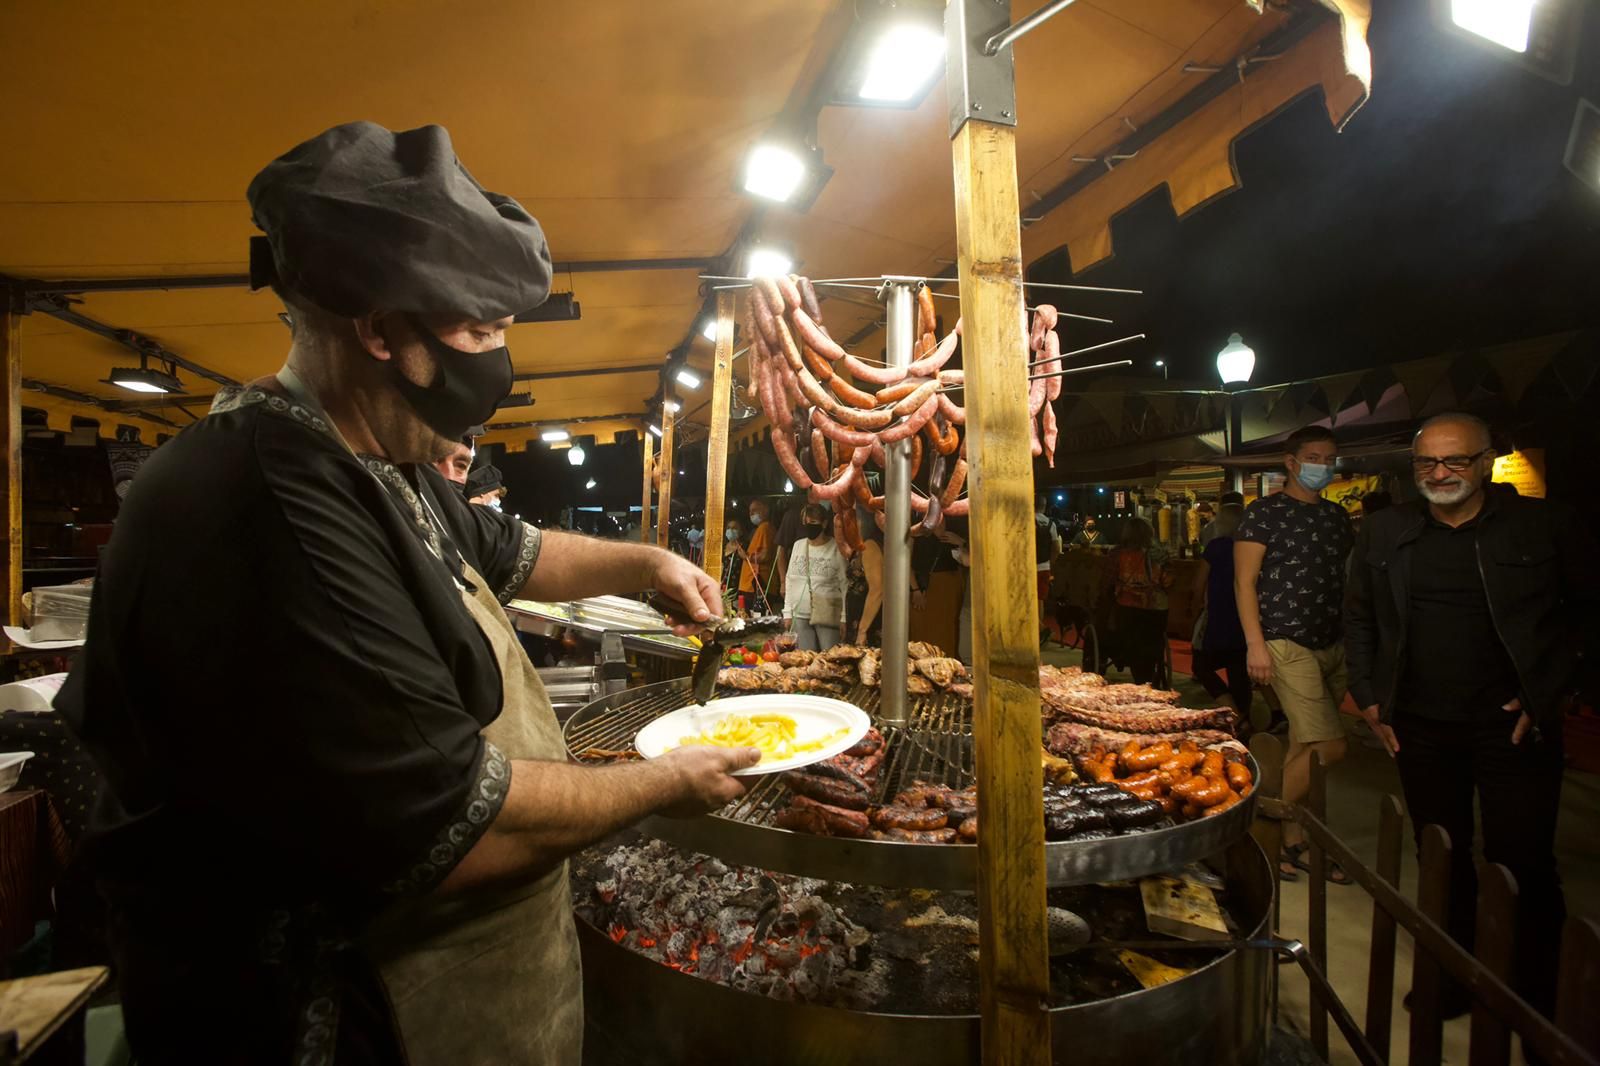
column 458, row 463
column 1089, row 536
column 1471, row 623
column 953, row 531
column 485, row 487
column 789, row 534
column 1139, row 581
column 732, row 542
column 864, row 589
column 756, row 575
column 1227, row 499
column 935, row 591
column 1046, row 545
column 815, row 602
column 1220, row 642
column 1289, row 560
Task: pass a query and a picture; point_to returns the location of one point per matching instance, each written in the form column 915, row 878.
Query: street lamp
column 1161, row 364
column 1235, row 363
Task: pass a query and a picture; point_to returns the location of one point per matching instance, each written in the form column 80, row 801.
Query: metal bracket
column 980, row 86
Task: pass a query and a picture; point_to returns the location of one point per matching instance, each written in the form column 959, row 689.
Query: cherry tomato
column 751, row 658
column 770, row 655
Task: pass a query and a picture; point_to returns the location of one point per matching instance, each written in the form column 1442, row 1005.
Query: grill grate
column 934, row 746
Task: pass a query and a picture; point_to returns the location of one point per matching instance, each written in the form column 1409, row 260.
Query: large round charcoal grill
column 935, row 745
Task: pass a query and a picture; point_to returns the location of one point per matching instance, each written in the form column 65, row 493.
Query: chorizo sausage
column 1049, row 433
column 923, row 394
column 816, row 337
column 826, row 790
column 946, row 441
column 819, row 451
column 959, row 509
column 819, row 366
column 849, row 393
column 1211, row 764
column 1231, row 799
column 1149, row 758
column 876, row 375
column 783, row 448
column 911, row 836
column 1239, row 778
column 808, row 300
column 916, row 819
column 788, row 290
column 899, row 390
column 1212, row 792
column 953, row 413
column 929, row 364
column 837, row 487
column 786, row 345
column 928, row 318
column 855, row 438
column 912, row 425
column 839, row 820
column 813, row 391
column 952, row 488
column 767, row 307
column 1052, row 354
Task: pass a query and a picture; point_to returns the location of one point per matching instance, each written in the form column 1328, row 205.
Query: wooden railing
column 1498, row 1013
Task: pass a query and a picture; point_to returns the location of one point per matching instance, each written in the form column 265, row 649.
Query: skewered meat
column 1074, row 738
column 1146, row 717
column 921, row 649
column 744, row 680
column 870, row 669
column 942, row 671
column 796, row 658
column 825, row 669
column 962, row 689
column 794, row 681
column 913, row 836
column 918, row 686
column 846, row 653
column 1126, row 693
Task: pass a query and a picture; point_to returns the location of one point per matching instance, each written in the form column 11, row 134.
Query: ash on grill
column 770, row 934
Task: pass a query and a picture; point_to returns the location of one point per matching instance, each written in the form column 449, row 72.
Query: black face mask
column 813, row 529
column 469, row 388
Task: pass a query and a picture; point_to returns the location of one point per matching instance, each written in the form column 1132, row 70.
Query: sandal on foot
column 1291, row 862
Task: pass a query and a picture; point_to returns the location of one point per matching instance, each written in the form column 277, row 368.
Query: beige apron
column 491, row 977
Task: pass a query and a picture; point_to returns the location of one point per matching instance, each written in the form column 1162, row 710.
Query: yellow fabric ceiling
column 135, row 129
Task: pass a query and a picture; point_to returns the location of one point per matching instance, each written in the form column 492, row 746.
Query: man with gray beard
column 1469, row 620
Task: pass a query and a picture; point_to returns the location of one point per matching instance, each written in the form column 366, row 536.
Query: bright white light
column 709, row 330
column 133, row 385
column 1161, row 362
column 550, row 436
column 1236, row 362
column 655, row 429
column 688, row 378
column 788, row 486
column 767, row 263
column 672, row 407
column 773, row 172
column 1505, row 22
column 576, row 455
column 901, row 63
column 591, row 483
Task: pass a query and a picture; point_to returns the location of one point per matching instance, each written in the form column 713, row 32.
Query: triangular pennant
column 1518, row 370
column 1467, row 372
column 1337, row 389
column 1273, row 399
column 1575, row 369
column 1374, row 384
column 1306, row 396
column 1420, row 379
column 1108, row 405
column 1188, row 407
column 1165, row 406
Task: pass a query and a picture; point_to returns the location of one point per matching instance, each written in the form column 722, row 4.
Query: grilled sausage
column 840, row 822
column 1239, row 778
column 827, row 790
column 919, row 819
column 912, row 836
column 1230, row 800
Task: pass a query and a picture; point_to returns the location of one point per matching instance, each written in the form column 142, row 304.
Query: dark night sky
column 1440, row 218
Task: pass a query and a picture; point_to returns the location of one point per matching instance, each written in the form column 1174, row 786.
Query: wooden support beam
column 665, row 465
column 717, row 443
column 1013, row 964
column 11, row 461
column 647, row 442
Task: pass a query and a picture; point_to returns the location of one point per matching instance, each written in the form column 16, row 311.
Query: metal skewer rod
column 1063, row 314
column 1091, row 348
column 1080, row 370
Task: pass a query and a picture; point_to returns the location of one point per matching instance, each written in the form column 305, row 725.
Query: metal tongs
column 720, row 634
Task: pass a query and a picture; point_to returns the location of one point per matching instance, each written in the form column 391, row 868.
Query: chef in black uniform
column 337, row 809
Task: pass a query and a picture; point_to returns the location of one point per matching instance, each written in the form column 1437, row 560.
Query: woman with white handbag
column 815, row 579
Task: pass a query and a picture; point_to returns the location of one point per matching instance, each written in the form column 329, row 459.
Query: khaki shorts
column 1310, row 684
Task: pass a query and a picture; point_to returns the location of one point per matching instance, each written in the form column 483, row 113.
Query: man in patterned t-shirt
column 1289, row 559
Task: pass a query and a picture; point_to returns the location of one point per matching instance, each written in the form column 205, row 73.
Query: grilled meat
column 942, row 671
column 1073, row 738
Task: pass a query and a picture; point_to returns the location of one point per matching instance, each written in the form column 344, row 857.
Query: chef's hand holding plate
column 681, row 581
column 702, row 777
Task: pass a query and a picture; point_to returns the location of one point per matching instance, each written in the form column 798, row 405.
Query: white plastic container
column 11, row 768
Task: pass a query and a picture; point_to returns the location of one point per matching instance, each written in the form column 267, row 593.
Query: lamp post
column 1235, row 363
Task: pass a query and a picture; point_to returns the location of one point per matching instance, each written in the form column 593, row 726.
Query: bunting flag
column 1108, row 405
column 1575, row 370
column 1374, row 384
column 1420, row 380
column 1165, row 406
column 1337, row 389
column 1468, row 371
column 1516, row 371
column 1273, row 399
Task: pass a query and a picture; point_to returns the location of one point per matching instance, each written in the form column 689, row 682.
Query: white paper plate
column 814, row 716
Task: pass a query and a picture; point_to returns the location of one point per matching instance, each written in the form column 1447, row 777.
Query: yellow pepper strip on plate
column 773, row 734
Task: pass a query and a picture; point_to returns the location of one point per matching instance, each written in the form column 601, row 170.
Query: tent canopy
column 621, row 126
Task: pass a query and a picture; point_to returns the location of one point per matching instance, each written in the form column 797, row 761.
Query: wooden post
column 1013, row 964
column 1427, row 977
column 1578, row 984
column 664, row 507
column 1317, row 899
column 11, row 468
column 1493, row 943
column 1380, row 967
column 647, row 454
column 717, row 443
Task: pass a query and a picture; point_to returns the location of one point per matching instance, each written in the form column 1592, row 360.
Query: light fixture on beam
column 687, row 378
column 672, row 407
column 767, row 263
column 591, row 483
column 142, row 378
column 576, row 455
column 655, row 429
column 1505, row 22
column 786, row 172
column 551, row 436
column 516, row 399
column 903, row 63
column 709, row 330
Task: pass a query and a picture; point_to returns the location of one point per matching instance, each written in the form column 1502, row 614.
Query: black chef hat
column 482, row 480
column 361, row 219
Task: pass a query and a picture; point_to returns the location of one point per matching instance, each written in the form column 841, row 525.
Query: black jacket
column 1538, row 566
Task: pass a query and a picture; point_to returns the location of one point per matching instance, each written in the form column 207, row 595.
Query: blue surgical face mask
column 1314, row 477
column 756, row 520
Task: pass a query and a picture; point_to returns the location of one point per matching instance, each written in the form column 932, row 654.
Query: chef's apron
column 491, row 976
